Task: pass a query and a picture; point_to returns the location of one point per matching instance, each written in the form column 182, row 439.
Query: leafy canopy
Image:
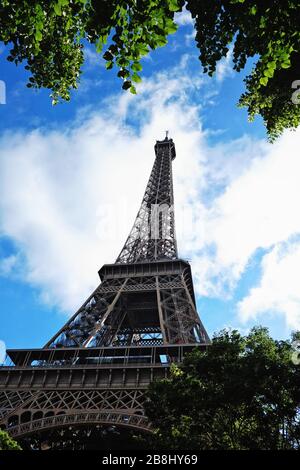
column 241, row 393
column 7, row 443
column 49, row 36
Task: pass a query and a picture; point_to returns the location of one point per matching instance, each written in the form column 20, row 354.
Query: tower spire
column 152, row 236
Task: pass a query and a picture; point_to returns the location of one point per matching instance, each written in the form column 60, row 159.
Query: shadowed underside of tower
column 91, row 376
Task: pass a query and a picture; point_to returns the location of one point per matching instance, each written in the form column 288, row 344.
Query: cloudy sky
column 72, row 178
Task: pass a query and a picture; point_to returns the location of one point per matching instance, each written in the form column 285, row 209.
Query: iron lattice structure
column 153, row 234
column 92, row 375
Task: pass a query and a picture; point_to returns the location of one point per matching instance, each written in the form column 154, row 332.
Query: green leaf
column 136, row 78
column 126, row 85
column 123, row 73
column 160, row 41
column 262, row 22
column 103, row 38
column 142, row 49
column 108, row 56
column 113, row 49
column 136, row 67
column 173, row 5
column 133, row 90
column 170, row 27
column 99, row 46
column 269, row 73
column 7, row 443
column 39, row 25
column 264, row 81
column 57, row 8
column 38, row 35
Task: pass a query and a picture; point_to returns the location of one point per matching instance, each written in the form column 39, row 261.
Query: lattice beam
column 153, row 233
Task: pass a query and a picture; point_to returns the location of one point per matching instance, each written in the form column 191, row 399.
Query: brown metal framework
column 140, row 319
column 152, row 236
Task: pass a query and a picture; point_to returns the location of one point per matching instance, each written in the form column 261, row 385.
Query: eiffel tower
column 89, row 380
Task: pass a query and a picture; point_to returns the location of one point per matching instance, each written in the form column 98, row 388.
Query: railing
column 118, row 419
column 115, row 356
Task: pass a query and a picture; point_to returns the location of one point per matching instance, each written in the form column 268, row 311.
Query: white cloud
column 68, row 197
column 258, row 208
column 59, row 190
column 184, row 18
column 8, row 264
column 86, row 85
column 278, row 290
column 2, row 351
column 189, row 38
column 92, row 58
column 53, row 209
column 224, row 68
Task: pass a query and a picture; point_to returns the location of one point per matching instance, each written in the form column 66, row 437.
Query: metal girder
column 153, row 233
column 140, row 319
column 47, row 408
column 122, row 310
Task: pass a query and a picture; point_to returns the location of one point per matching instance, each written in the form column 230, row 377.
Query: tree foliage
column 241, row 393
column 7, row 443
column 269, row 32
column 49, row 36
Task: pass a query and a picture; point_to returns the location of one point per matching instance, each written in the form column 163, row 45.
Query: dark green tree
column 241, row 393
column 48, row 35
column 7, row 443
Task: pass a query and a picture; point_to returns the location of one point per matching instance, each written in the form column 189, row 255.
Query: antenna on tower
column 167, row 135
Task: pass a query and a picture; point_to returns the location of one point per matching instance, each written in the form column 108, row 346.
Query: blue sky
column 72, row 177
